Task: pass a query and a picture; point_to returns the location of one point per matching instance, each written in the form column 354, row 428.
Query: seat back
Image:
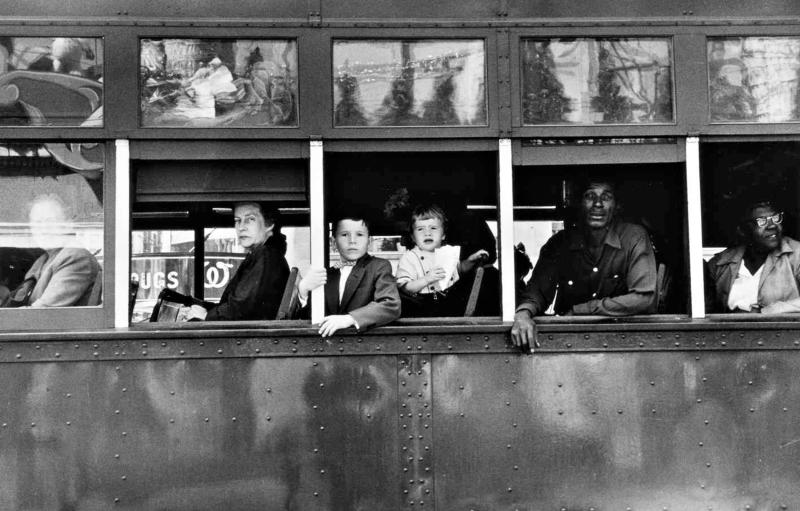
column 663, row 281
column 133, row 290
column 289, row 293
column 472, row 301
column 96, row 294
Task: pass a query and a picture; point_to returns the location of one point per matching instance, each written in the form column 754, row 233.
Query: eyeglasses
column 762, row 221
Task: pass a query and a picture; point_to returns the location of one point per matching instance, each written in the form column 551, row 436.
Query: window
column 409, row 83
column 51, row 225
column 184, row 239
column 648, row 218
column 457, row 187
column 750, row 212
column 209, row 83
column 51, row 81
column 754, row 79
column 597, row 81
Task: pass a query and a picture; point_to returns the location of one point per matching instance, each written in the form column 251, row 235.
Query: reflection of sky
column 376, row 64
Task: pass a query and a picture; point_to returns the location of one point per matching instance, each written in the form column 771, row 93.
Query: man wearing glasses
column 761, row 274
column 598, row 266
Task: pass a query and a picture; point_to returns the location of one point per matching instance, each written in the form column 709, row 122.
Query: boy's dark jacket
column 370, row 294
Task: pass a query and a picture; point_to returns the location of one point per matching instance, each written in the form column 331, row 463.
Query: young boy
column 430, row 268
column 363, row 293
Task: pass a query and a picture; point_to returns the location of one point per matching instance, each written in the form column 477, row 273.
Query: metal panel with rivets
column 449, row 418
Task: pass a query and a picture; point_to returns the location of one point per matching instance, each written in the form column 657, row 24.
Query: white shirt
column 344, row 272
column 744, row 290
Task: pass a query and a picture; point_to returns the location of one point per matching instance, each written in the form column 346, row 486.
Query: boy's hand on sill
column 330, row 324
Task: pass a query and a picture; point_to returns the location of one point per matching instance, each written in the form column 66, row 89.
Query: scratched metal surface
column 200, row 435
column 676, row 430
column 639, row 431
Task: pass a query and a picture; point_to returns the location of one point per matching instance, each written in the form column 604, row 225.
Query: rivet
column 750, row 383
column 641, row 345
column 124, row 478
column 182, row 352
column 760, row 343
column 700, row 444
column 699, row 400
column 69, row 423
column 163, row 345
column 569, row 345
column 508, row 446
column 294, row 350
column 172, row 421
column 508, row 489
column 58, row 354
column 785, row 409
column 322, row 471
column 316, row 494
column 95, row 346
column 116, row 501
column 341, row 349
column 708, row 465
column 322, row 428
column 619, row 411
column 269, row 389
column 116, row 456
column 69, row 395
column 514, row 425
column 561, row 412
column 586, row 336
column 449, row 347
column 258, row 350
column 205, row 419
column 605, row 345
column 653, row 410
column 202, row 343
column 171, row 392
column 219, row 351
column 677, row 344
column 33, row 424
column 18, row 355
column 652, row 383
column 513, row 382
column 116, row 412
column 706, row 422
column 508, row 403
column 752, row 410
column 233, row 419
column 724, row 343
column 77, row 346
column 486, row 346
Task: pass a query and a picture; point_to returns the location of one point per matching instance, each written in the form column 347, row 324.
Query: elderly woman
column 762, row 273
column 255, row 291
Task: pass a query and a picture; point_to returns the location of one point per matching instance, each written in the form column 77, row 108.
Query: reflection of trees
column 623, row 85
column 348, row 110
column 440, row 111
column 543, row 98
column 398, row 104
column 614, row 106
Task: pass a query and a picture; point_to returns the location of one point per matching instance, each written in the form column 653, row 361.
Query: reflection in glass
column 51, row 225
column 409, row 83
column 51, row 81
column 218, row 82
column 596, row 81
column 754, row 79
